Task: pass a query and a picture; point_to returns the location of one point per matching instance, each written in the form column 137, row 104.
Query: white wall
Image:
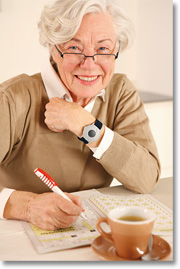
column 148, row 63
column 155, row 46
column 20, row 51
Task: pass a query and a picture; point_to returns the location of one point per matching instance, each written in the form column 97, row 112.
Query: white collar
column 54, row 86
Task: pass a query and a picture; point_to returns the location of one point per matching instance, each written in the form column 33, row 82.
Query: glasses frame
column 86, row 56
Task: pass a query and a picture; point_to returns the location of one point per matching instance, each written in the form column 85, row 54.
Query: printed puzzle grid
column 164, row 218
column 81, row 233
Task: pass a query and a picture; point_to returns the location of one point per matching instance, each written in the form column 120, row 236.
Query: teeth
column 87, row 78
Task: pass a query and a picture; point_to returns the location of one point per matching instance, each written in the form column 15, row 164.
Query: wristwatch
column 91, row 132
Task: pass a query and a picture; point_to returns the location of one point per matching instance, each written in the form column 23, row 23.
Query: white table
column 16, row 246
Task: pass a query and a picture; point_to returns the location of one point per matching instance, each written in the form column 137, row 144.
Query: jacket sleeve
column 132, row 157
column 5, row 127
column 13, row 114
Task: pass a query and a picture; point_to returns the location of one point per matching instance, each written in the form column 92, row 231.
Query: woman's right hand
column 48, row 211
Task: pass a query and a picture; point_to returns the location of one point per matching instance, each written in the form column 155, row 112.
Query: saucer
column 107, row 252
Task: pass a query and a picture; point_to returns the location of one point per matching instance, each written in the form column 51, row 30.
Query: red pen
column 47, row 179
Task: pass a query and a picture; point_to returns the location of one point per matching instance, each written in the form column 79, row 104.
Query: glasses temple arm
column 117, row 54
column 59, row 51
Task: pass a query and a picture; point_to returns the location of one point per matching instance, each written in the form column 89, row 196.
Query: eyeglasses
column 77, row 58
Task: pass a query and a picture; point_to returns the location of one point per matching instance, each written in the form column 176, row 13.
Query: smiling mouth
column 88, row 79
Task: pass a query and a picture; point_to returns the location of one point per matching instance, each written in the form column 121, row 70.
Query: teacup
column 131, row 228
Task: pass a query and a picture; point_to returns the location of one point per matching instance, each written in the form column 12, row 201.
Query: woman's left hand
column 62, row 115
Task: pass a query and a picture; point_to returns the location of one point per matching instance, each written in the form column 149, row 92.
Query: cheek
column 68, row 68
column 108, row 73
column 65, row 72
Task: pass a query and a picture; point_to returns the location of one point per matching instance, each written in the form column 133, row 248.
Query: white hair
column 60, row 22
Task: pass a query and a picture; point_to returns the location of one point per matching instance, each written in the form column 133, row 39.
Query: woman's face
column 96, row 35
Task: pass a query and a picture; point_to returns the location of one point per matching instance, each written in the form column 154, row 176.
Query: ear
column 54, row 54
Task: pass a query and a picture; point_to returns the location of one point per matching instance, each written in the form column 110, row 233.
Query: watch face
column 91, row 133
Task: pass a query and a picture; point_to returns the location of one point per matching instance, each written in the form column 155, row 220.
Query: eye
column 74, row 48
column 102, row 48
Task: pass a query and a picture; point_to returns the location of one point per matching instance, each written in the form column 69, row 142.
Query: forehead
column 96, row 26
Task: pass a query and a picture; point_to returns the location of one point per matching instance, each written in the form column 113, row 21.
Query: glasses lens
column 103, row 58
column 73, row 58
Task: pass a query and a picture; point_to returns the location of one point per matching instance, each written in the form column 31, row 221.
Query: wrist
column 78, row 119
column 80, row 126
column 92, row 134
column 81, row 123
column 17, row 206
column 96, row 143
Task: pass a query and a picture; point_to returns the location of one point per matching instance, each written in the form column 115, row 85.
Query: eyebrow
column 100, row 41
column 75, row 39
column 107, row 39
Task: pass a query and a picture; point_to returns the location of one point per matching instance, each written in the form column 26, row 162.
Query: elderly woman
column 76, row 120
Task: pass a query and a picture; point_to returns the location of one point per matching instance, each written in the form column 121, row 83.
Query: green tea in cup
column 131, row 218
column 131, row 228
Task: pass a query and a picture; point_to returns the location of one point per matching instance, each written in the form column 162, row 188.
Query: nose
column 88, row 63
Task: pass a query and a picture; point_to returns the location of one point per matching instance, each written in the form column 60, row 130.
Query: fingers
column 55, row 222
column 63, row 115
column 76, row 200
column 50, row 211
column 68, row 207
column 55, row 115
column 55, row 104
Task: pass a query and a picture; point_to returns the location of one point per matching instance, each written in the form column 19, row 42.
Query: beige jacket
column 26, row 142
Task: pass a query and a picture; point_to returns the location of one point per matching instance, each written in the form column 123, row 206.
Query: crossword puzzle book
column 84, row 232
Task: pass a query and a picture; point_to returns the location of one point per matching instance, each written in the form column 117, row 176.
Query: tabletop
column 16, row 246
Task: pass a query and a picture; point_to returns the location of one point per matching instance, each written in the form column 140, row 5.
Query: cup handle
column 101, row 231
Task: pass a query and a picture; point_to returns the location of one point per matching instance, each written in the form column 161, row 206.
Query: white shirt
column 55, row 88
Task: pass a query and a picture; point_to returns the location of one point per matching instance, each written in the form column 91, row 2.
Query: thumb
column 76, row 200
